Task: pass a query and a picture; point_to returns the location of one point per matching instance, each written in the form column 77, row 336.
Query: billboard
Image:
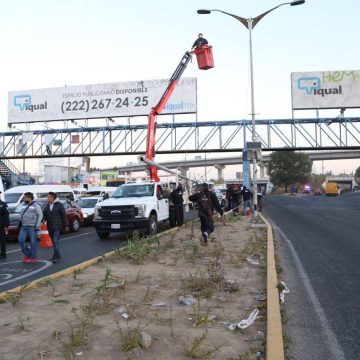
column 325, row 89
column 100, row 101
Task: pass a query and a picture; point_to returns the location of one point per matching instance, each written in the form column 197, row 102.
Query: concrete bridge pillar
column 220, row 169
column 262, row 170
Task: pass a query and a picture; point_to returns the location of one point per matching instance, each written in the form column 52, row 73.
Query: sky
column 52, row 43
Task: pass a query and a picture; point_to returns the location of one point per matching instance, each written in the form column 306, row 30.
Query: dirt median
column 128, row 306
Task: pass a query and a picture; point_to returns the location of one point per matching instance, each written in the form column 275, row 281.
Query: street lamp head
column 297, row 2
column 203, row 11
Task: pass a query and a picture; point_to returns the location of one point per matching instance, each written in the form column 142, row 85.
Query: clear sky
column 50, row 43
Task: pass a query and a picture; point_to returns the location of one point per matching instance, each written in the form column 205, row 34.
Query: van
column 99, row 191
column 332, row 188
column 13, row 196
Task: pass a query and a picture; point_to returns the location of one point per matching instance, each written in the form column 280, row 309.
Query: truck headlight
column 97, row 213
column 85, row 215
column 140, row 213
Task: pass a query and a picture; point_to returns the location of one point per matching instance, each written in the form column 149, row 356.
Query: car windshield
column 126, row 191
column 87, row 203
column 12, row 198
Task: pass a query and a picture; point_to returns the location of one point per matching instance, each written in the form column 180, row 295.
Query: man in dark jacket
column 247, row 196
column 207, row 202
column 4, row 223
column 199, row 42
column 176, row 197
column 56, row 219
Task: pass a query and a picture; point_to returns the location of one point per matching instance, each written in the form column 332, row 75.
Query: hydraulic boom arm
column 150, row 139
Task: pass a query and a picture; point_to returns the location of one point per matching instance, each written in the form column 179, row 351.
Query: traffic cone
column 45, row 240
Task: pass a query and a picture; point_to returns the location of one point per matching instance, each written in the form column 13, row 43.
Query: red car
column 73, row 212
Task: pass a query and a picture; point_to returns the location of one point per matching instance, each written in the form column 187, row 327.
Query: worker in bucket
column 199, row 42
column 207, row 202
column 176, row 197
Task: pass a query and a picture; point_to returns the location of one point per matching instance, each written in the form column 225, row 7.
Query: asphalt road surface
column 75, row 248
column 319, row 251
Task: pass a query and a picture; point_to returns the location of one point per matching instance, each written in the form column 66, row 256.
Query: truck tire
column 152, row 225
column 75, row 225
column 103, row 234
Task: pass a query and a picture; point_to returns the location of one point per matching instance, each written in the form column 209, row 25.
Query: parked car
column 104, row 191
column 221, row 195
column 79, row 192
column 87, row 205
column 73, row 212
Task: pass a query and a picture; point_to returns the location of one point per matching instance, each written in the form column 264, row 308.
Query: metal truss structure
column 184, row 137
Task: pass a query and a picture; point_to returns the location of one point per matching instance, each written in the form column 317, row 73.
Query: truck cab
column 133, row 206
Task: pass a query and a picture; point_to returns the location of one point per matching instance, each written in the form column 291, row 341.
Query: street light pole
column 253, row 129
column 250, row 23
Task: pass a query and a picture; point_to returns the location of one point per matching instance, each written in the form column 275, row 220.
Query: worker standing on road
column 176, row 197
column 247, row 196
column 30, row 220
column 4, row 223
column 199, row 42
column 207, row 201
column 56, row 219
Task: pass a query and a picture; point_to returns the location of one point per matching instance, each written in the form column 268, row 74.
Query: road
column 75, row 248
column 319, row 251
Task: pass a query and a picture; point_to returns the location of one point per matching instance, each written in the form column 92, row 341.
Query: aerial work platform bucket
column 204, row 57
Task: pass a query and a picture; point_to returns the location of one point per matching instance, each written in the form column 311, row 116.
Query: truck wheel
column 103, row 234
column 75, row 226
column 152, row 225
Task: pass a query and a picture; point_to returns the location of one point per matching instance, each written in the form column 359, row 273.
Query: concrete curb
column 274, row 341
column 72, row 269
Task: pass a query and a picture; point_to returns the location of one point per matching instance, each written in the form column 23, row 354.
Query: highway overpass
column 220, row 163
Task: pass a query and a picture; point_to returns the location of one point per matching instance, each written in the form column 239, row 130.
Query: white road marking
column 332, row 343
column 30, row 273
column 70, row 237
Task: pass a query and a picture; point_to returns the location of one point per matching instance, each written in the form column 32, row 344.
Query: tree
column 357, row 175
column 289, row 167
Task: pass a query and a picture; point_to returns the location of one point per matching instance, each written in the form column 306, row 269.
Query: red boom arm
column 150, row 139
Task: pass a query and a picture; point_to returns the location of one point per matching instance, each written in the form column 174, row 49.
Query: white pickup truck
column 137, row 206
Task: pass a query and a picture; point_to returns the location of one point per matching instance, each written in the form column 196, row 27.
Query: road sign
column 325, row 89
column 134, row 98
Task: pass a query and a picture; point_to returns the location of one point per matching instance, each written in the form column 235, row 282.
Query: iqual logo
column 24, row 102
column 312, row 86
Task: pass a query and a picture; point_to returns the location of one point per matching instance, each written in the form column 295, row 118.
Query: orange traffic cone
column 45, row 240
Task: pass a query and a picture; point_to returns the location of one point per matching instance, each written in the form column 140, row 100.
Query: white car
column 87, row 205
column 221, row 195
